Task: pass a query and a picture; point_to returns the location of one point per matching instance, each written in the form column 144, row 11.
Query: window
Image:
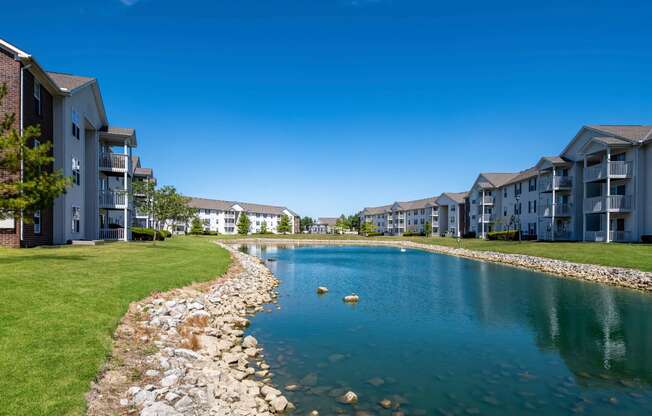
column 76, row 215
column 505, row 193
column 76, row 172
column 518, row 188
column 505, row 212
column 75, row 125
column 529, row 207
column 532, row 184
column 534, row 205
column 453, row 208
column 37, row 221
column 37, row 97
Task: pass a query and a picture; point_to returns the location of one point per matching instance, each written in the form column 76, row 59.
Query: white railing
column 488, row 200
column 599, row 236
column 619, row 202
column 112, row 234
column 620, row 236
column 558, row 235
column 560, row 182
column 113, row 199
column 620, row 169
column 486, row 218
column 617, row 169
column 611, row 202
column 114, row 161
column 561, row 210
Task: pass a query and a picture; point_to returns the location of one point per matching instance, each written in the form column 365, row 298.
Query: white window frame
column 37, row 96
column 37, row 224
column 76, row 219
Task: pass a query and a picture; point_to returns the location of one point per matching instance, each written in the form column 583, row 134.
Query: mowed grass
column 60, row 306
column 634, row 256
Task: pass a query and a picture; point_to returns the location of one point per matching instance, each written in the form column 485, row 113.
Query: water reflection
column 455, row 334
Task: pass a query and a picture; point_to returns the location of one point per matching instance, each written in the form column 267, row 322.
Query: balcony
column 613, row 203
column 486, row 218
column 561, row 210
column 617, row 170
column 114, row 199
column 112, row 234
column 114, row 162
column 548, row 183
column 487, row 200
column 558, row 236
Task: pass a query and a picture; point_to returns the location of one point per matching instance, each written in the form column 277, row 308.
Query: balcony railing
column 486, row 218
column 614, row 203
column 112, row 234
column 488, row 200
column 617, row 169
column 558, row 235
column 115, row 162
column 118, row 199
column 546, row 183
column 561, row 210
column 620, row 236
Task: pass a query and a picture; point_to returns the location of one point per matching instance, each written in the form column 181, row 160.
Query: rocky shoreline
column 184, row 352
column 617, row 276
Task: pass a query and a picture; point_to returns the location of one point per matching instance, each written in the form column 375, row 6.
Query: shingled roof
column 221, row 205
column 632, row 133
column 458, row 197
column 69, row 82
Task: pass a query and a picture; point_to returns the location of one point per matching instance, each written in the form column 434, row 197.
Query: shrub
column 146, row 234
column 509, row 235
column 470, row 234
column 165, row 233
column 208, row 232
column 646, row 239
column 413, row 234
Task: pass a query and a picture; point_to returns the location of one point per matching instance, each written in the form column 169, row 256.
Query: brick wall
column 10, row 75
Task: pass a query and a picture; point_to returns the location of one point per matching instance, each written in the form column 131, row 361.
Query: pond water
column 438, row 334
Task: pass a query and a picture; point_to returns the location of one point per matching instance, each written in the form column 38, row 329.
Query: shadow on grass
column 39, row 258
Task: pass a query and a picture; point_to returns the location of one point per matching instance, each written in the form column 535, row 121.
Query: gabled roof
column 221, row 205
column 376, row 210
column 69, row 82
column 458, row 197
column 417, row 204
column 523, row 175
column 632, row 133
column 330, row 221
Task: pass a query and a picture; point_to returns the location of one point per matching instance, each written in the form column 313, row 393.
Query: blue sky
column 329, row 106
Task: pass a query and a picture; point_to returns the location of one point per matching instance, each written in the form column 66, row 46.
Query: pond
column 437, row 334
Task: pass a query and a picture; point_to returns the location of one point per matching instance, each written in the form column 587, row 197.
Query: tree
column 144, row 202
column 284, row 225
column 428, row 229
column 263, row 227
column 196, row 226
column 342, row 223
column 243, row 224
column 170, row 207
column 306, row 223
column 28, row 184
column 367, row 227
column 354, row 222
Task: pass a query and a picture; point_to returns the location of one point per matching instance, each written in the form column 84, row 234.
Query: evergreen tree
column 196, row 226
column 243, row 224
column 28, row 183
column 263, row 228
column 428, row 229
column 284, row 225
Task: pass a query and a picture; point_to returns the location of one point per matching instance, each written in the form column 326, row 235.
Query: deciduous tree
column 284, row 225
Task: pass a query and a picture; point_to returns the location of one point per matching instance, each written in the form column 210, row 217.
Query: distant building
column 222, row 216
column 404, row 217
column 323, row 225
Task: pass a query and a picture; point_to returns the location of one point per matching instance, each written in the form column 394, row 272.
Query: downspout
column 21, row 129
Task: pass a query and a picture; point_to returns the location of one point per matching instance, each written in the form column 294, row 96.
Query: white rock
column 351, row 298
column 279, row 404
column 349, row 398
column 159, row 409
column 249, row 342
column 321, row 290
column 185, row 353
column 170, row 380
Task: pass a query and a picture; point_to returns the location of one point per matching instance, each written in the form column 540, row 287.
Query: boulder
column 249, row 342
column 159, row 409
column 321, row 290
column 349, row 398
column 279, row 403
column 353, row 298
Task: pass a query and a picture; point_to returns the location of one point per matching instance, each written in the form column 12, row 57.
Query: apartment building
column 223, row 216
column 71, row 113
column 452, row 218
column 323, row 225
column 597, row 189
column 141, row 174
column 404, row 217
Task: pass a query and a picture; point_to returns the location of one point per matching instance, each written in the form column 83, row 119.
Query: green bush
column 509, row 235
column 165, row 233
column 146, row 234
column 208, row 232
column 413, row 234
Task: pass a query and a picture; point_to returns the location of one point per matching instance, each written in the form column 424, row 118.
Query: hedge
column 413, row 234
column 509, row 235
column 147, row 234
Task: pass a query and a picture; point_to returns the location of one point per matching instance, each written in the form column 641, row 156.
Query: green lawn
column 635, row 256
column 59, row 307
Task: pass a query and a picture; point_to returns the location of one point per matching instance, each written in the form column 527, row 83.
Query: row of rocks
column 618, row 276
column 204, row 364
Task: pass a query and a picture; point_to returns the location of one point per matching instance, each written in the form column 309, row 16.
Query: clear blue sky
column 329, row 106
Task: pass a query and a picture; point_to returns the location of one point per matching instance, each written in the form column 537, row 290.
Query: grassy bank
column 60, row 306
column 635, row 256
